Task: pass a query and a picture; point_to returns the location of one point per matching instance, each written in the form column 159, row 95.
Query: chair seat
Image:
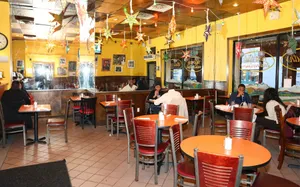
column 272, row 131
column 14, row 124
column 56, row 121
column 293, row 142
column 87, row 111
column 186, row 169
column 165, row 132
column 76, row 107
column 264, row 179
column 220, row 123
column 150, row 150
column 121, row 119
column 110, row 113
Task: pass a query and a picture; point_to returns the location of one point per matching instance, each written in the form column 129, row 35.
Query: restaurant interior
column 145, row 93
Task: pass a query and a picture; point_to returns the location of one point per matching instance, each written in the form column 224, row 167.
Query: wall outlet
column 138, row 110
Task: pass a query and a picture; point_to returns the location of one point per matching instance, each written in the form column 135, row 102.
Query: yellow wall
column 5, row 67
column 251, row 23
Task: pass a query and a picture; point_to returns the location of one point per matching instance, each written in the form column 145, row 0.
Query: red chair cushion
column 166, row 133
column 87, row 111
column 132, row 137
column 14, row 124
column 121, row 119
column 110, row 112
column 186, row 169
column 220, row 123
column 272, row 131
column 150, row 150
column 56, row 121
column 76, row 107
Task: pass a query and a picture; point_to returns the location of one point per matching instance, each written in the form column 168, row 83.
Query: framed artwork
column 72, row 66
column 119, row 69
column 62, row 71
column 20, row 63
column 119, row 59
column 62, row 61
column 130, row 64
column 106, row 63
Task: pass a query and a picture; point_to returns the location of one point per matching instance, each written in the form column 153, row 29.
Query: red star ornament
column 186, row 55
column 238, row 49
column 124, row 44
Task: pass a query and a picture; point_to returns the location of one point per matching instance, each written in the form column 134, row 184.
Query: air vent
column 160, row 7
column 143, row 15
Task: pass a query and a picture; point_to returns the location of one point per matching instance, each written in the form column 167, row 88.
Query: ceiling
column 31, row 18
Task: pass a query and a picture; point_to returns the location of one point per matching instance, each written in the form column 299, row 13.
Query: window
column 185, row 73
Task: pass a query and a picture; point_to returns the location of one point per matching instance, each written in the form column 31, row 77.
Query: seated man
column 174, row 97
column 12, row 100
column 129, row 87
column 155, row 94
column 240, row 96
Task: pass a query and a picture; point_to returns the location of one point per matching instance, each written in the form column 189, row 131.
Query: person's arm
column 160, row 100
column 26, row 98
column 232, row 98
column 270, row 110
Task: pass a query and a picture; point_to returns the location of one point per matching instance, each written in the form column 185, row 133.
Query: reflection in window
column 43, row 75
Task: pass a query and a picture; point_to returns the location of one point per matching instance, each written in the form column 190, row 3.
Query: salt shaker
column 35, row 104
column 298, row 102
column 161, row 116
column 228, row 143
column 197, row 96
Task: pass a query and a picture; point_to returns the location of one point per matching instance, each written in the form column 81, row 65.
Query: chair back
column 67, row 111
column 212, row 116
column 145, row 132
column 217, row 170
column 2, row 118
column 197, row 123
column 128, row 118
column 206, row 100
column 282, row 125
column 245, row 114
column 170, row 109
column 122, row 105
column 88, row 104
column 241, row 129
column 176, row 138
column 111, row 97
column 213, row 93
column 88, row 94
column 74, row 94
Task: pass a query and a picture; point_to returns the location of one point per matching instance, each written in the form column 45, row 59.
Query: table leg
column 36, row 130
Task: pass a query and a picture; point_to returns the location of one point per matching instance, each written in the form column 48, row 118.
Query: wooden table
column 254, row 154
column 294, row 121
column 108, row 104
column 169, row 121
column 36, row 111
column 78, row 98
column 194, row 105
column 294, row 104
column 227, row 109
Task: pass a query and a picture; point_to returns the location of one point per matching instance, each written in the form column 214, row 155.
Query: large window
column 185, row 73
column 265, row 60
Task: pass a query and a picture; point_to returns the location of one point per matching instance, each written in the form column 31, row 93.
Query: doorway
column 151, row 73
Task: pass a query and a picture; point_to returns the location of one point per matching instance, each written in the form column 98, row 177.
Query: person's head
column 171, row 86
column 158, row 87
column 241, row 88
column 15, row 85
column 130, row 82
column 133, row 80
column 272, row 94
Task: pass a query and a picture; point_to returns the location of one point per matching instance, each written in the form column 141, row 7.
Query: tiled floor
column 96, row 159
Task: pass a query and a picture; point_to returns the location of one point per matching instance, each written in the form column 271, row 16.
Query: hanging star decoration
column 238, row 49
column 148, row 50
column 67, row 47
column 169, row 39
column 58, row 19
column 186, row 55
column 124, row 44
column 298, row 18
column 50, row 47
column 107, row 33
column 207, row 31
column 172, row 25
column 139, row 37
column 268, row 4
column 131, row 19
column 166, row 56
column 292, row 44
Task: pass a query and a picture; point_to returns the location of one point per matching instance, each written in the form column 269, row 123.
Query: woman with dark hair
column 271, row 99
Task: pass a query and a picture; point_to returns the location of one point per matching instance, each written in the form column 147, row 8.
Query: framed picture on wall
column 119, row 59
column 130, row 64
column 62, row 71
column 62, row 61
column 72, row 66
column 106, row 63
column 20, row 63
column 119, row 69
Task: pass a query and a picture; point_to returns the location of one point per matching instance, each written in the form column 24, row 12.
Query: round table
column 294, row 121
column 294, row 104
column 227, row 109
column 254, row 154
column 169, row 121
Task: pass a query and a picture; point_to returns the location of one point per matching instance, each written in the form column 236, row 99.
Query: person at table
column 141, row 84
column 129, row 87
column 12, row 100
column 174, row 97
column 271, row 99
column 240, row 96
column 153, row 95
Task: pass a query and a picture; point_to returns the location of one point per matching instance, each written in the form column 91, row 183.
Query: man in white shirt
column 129, row 87
column 174, row 97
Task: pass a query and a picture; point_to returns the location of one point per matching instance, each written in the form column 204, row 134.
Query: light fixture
column 235, row 5
column 192, row 9
column 144, row 23
column 155, row 24
column 154, row 3
column 116, row 19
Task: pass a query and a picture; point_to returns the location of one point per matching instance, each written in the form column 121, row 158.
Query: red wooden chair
column 197, row 123
column 145, row 134
column 217, row 124
column 119, row 119
column 170, row 109
column 128, row 118
column 264, row 179
column 183, row 169
column 110, row 112
column 241, row 129
column 206, row 106
column 11, row 128
column 245, row 114
column 290, row 146
column 88, row 110
column 55, row 124
column 76, row 107
column 217, row 170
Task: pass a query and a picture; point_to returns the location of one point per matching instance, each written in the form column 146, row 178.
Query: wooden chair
column 289, row 146
column 128, row 118
column 272, row 134
column 183, row 169
column 241, row 129
column 55, row 124
column 216, row 126
column 196, row 123
column 265, row 179
column 146, row 144
column 118, row 120
column 110, row 112
column 170, row 109
column 76, row 107
column 245, row 114
column 11, row 128
column 206, row 106
column 217, row 170
column 88, row 110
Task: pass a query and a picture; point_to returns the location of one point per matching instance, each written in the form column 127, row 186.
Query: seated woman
column 153, row 95
column 271, row 99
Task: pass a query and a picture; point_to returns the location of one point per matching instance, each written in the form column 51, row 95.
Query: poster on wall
column 119, row 59
column 106, row 64
column 62, row 71
column 62, row 61
column 72, row 66
column 20, row 63
column 131, row 63
column 119, row 69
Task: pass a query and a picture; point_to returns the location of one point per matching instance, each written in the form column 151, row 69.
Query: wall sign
column 194, row 64
column 292, row 61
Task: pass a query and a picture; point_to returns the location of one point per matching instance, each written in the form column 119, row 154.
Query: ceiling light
column 144, row 23
column 192, row 9
column 235, row 5
column 116, row 19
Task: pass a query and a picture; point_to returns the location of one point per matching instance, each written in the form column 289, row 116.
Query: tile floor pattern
column 96, row 159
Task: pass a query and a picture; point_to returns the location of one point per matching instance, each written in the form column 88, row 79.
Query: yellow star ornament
column 139, row 37
column 131, row 19
column 107, row 33
column 268, row 4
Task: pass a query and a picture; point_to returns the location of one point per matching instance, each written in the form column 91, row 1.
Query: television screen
column 98, row 49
